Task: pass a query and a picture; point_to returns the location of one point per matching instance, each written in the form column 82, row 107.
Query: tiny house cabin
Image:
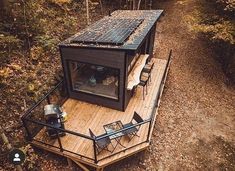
column 96, row 115
column 98, row 60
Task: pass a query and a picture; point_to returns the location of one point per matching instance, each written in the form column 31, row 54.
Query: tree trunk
column 4, row 4
column 8, row 144
column 139, row 5
column 101, row 7
column 87, row 12
column 134, row 5
column 150, row 4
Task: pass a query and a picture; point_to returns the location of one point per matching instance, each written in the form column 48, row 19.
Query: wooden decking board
column 84, row 141
column 161, row 91
column 149, row 100
column 123, row 155
column 153, row 99
column 82, row 116
column 154, row 93
column 150, row 93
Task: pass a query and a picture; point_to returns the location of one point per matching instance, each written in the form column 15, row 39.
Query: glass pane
column 94, row 79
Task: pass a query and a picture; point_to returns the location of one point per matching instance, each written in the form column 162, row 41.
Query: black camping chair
column 132, row 132
column 54, row 121
column 103, row 143
column 148, row 69
column 52, row 114
column 144, row 78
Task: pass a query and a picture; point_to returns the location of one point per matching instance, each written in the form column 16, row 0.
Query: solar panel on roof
column 108, row 31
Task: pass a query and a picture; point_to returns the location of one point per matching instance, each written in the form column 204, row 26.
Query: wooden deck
column 82, row 116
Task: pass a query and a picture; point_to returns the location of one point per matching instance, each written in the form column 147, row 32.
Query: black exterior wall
column 113, row 59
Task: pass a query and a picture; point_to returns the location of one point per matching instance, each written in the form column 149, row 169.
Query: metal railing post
column 59, row 141
column 150, row 124
column 95, row 155
column 48, row 100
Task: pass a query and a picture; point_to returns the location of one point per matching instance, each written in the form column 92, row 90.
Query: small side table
column 112, row 128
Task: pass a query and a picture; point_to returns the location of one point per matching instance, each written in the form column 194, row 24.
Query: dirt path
column 195, row 127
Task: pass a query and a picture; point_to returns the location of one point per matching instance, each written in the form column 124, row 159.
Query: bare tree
column 135, row 5
column 139, row 5
column 150, row 4
column 4, row 5
column 101, row 7
column 8, row 144
column 87, row 12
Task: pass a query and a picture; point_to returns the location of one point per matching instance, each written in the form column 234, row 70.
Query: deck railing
column 34, row 122
column 39, row 124
column 56, row 95
column 159, row 93
column 145, row 140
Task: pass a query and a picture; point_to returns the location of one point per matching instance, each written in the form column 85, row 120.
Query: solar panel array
column 108, row 31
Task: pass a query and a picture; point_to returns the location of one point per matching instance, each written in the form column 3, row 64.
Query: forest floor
column 195, row 127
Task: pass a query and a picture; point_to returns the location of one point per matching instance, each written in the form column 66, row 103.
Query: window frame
column 76, row 91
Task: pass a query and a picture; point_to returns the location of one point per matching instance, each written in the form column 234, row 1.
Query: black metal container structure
column 98, row 60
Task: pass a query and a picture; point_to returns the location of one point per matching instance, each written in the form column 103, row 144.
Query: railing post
column 59, row 141
column 95, row 155
column 158, row 96
column 48, row 99
column 150, row 124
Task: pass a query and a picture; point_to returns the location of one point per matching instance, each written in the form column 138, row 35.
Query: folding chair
column 132, row 131
column 148, row 69
column 101, row 144
column 144, row 78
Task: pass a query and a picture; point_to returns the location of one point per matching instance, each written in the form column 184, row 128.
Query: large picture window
column 94, row 79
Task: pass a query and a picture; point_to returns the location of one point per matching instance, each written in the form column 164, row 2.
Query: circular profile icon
column 16, row 156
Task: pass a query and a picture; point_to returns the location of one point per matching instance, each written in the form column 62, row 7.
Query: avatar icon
column 17, row 159
column 16, row 156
